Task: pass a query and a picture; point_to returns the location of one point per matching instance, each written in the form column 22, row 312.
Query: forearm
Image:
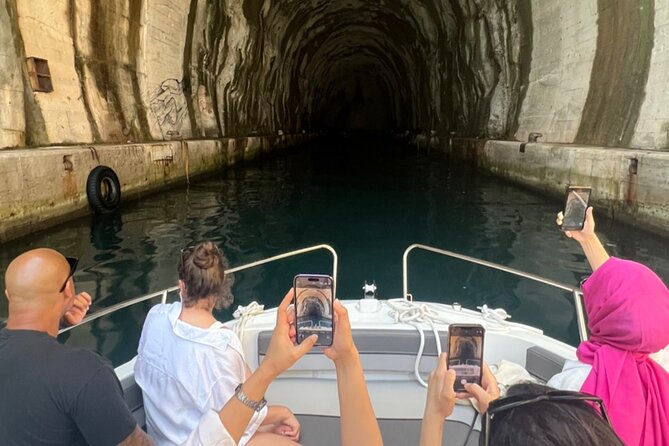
column 235, row 416
column 358, row 421
column 276, row 414
column 594, row 251
column 432, row 430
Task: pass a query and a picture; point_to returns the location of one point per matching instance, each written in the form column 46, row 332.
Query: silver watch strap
column 245, row 400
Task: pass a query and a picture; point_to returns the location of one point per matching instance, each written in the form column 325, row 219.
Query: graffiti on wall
column 168, row 105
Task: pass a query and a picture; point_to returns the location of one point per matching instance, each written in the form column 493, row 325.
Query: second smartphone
column 313, row 301
column 465, row 354
column 575, row 204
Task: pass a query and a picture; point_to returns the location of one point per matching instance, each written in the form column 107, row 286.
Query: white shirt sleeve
column 572, row 377
column 209, row 431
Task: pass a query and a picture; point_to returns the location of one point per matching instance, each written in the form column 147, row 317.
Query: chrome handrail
column 165, row 292
column 120, row 306
column 576, row 292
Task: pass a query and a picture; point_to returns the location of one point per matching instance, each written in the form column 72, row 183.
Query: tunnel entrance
column 436, row 66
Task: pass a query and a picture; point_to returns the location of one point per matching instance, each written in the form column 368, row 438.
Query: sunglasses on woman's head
column 73, row 262
column 511, row 402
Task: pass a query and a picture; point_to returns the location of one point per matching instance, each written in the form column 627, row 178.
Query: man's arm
column 358, row 422
column 137, row 438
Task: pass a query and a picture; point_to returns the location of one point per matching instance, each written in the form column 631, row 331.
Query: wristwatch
column 255, row 405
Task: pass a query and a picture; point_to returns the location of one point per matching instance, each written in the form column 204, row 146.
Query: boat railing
column 575, row 291
column 164, row 293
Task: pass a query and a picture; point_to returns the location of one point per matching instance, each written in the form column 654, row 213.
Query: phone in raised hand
column 575, row 204
column 465, row 354
column 313, row 301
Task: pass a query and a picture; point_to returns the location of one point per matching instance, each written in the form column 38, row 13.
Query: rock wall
column 629, row 185
column 45, row 186
column 576, row 71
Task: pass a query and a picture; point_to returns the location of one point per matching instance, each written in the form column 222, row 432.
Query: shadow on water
column 369, row 199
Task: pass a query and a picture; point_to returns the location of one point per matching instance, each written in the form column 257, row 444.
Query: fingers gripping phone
column 575, row 205
column 313, row 303
column 465, row 354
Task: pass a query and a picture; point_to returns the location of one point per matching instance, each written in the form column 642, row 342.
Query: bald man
column 50, row 393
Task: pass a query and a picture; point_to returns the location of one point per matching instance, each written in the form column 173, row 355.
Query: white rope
column 497, row 315
column 405, row 312
column 243, row 314
column 415, row 314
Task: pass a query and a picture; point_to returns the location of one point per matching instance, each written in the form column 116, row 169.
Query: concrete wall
column 12, row 120
column 640, row 198
column 562, row 55
column 44, row 186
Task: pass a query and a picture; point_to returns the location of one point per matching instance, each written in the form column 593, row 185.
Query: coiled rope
column 415, row 314
column 243, row 314
column 406, row 312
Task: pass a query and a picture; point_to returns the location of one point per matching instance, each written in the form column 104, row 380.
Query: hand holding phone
column 575, row 206
column 313, row 301
column 465, row 354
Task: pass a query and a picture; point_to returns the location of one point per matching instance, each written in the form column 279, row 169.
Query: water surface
column 368, row 199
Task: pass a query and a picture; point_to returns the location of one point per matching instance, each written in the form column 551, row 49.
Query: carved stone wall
column 589, row 72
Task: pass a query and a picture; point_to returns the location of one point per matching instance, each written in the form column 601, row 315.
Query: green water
column 369, row 200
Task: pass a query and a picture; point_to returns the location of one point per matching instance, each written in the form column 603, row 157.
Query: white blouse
column 574, row 373
column 187, row 374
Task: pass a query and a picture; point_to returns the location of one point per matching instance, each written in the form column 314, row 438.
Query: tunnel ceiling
column 356, row 64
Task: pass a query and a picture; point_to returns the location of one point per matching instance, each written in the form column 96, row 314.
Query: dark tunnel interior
column 401, row 65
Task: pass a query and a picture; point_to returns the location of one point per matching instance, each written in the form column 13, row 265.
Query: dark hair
column 550, row 423
column 202, row 269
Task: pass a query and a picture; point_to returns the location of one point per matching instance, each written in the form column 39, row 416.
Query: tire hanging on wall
column 103, row 190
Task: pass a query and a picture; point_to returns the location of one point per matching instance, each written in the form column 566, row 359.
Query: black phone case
column 458, row 386
column 326, row 336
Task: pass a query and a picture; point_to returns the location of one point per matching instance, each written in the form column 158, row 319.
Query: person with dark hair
column 539, row 415
column 189, row 364
column 530, row 414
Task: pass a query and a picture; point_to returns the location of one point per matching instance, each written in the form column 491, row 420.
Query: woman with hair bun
column 188, row 364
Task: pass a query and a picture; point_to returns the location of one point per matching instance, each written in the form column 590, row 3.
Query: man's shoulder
column 84, row 357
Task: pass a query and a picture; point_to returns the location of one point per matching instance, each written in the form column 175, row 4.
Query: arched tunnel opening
column 359, row 65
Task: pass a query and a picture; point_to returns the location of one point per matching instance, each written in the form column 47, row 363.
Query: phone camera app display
column 314, row 310
column 465, row 356
column 574, row 212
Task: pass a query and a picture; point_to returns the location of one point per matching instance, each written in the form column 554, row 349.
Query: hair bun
column 206, row 256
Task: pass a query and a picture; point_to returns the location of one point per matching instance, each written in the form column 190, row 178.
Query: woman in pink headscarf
column 628, row 317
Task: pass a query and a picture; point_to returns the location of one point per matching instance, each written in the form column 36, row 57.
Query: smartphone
column 313, row 301
column 575, row 205
column 465, row 353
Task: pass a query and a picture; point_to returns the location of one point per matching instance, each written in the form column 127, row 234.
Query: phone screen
column 465, row 354
column 313, row 307
column 575, row 206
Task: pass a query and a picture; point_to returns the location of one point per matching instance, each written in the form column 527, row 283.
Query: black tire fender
column 103, row 190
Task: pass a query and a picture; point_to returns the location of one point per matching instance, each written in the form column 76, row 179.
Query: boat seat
column 391, row 351
column 543, row 364
column 133, row 398
column 324, row 431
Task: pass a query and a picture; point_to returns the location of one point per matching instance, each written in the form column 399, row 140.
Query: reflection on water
column 369, row 201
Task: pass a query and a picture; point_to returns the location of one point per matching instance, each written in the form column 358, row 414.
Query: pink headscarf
column 628, row 316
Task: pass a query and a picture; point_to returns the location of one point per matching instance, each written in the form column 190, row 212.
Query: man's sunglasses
column 511, row 402
column 73, row 262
